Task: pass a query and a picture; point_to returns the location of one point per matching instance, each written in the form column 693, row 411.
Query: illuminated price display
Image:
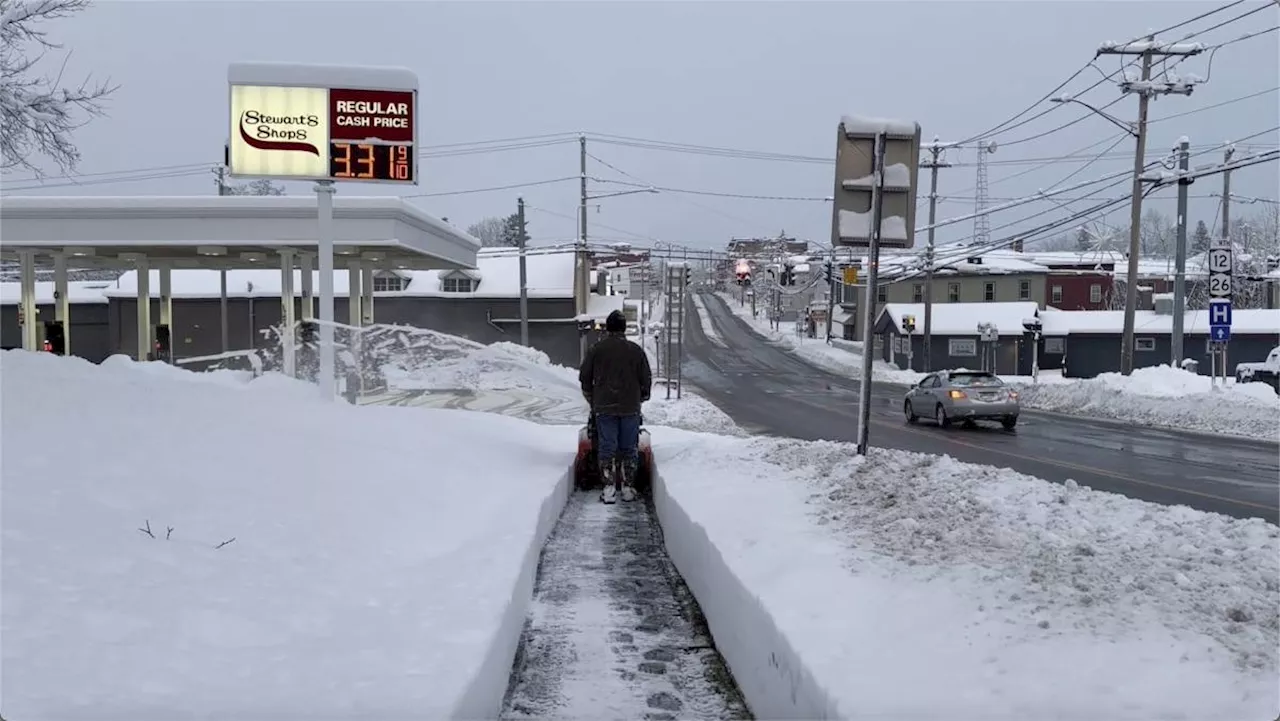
column 363, row 161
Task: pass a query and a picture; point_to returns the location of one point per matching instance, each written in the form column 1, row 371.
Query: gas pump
column 55, row 340
column 164, row 347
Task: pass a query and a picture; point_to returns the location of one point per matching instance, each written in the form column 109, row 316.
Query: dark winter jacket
column 615, row 376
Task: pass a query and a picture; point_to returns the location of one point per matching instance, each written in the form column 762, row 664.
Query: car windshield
column 969, row 380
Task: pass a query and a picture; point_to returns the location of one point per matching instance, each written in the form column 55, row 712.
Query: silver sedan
column 965, row 396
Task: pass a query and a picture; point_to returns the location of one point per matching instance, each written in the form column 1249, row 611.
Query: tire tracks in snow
column 613, row 632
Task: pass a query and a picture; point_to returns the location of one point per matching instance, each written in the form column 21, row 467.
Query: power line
column 717, row 194
column 1197, row 18
column 426, row 151
column 493, row 188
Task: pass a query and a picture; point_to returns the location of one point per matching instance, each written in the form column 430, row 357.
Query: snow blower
column 586, row 469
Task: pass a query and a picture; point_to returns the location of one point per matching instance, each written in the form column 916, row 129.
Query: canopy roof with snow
column 496, row 275
column 227, row 231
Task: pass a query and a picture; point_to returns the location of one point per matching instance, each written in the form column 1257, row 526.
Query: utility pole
column 524, row 275
column 221, row 175
column 831, row 291
column 1226, row 196
column 1180, row 254
column 1145, row 88
column 933, row 163
column 583, row 273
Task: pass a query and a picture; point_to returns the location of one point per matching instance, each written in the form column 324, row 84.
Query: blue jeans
column 618, row 437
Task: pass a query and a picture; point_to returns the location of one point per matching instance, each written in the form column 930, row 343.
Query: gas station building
column 214, row 233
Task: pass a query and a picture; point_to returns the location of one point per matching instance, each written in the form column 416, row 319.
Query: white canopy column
column 308, row 307
column 165, row 271
column 61, row 303
column 143, row 268
column 366, row 294
column 287, row 331
column 27, row 270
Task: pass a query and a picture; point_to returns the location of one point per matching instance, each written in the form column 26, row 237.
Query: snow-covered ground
column 899, row 586
column 304, row 559
column 1160, row 396
column 912, row 586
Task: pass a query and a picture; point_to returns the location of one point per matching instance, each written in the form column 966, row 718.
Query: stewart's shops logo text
column 278, row 132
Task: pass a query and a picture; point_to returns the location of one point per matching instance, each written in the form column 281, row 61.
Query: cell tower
column 982, row 221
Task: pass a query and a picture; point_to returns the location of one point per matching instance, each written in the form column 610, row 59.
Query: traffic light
column 688, row 275
column 308, row 331
column 164, row 347
column 829, row 273
column 55, row 341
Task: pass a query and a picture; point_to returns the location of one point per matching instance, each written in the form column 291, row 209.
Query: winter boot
column 609, row 479
column 628, row 470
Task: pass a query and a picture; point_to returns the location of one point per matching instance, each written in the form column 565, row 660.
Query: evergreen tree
column 1200, row 239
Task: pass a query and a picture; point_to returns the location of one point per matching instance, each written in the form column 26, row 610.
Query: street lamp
column 1137, row 131
column 1130, row 128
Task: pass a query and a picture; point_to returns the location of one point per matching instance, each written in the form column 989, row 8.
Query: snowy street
column 1158, row 397
column 768, row 388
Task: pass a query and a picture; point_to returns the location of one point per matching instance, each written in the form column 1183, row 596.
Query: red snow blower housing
column 586, row 468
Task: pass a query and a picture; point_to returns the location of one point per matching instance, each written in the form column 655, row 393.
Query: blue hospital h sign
column 1220, row 313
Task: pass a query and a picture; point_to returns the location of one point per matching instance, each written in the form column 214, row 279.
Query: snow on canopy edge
column 352, row 77
column 866, row 125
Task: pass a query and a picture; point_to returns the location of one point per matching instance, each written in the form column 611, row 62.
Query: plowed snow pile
column 1166, row 397
column 915, row 586
column 427, row 360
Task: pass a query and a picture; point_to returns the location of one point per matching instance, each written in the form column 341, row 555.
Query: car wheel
column 909, row 412
column 1009, row 422
column 940, row 415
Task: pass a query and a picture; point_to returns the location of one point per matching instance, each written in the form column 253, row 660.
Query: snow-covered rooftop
column 78, row 291
column 963, row 318
column 1243, row 321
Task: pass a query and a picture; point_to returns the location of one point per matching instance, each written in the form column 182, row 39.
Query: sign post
column 323, row 123
column 874, row 205
column 1221, row 265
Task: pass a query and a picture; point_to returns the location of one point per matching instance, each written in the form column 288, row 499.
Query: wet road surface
column 767, row 389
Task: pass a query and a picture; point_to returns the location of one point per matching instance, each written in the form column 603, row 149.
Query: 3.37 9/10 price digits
column 362, row 161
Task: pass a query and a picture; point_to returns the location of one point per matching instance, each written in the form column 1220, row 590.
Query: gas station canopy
column 220, row 232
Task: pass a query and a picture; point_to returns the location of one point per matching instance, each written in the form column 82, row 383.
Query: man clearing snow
column 616, row 380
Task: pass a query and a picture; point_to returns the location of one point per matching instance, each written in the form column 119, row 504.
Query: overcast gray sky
column 760, row 76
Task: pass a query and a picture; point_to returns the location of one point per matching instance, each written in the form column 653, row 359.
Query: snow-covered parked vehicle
column 1268, row 371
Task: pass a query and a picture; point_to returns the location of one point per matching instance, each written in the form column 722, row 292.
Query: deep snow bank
column 1166, row 397
column 304, row 558
column 536, row 388
column 909, row 586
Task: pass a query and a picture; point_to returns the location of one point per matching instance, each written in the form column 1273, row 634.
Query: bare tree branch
column 220, row 545
column 147, row 529
column 38, row 115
